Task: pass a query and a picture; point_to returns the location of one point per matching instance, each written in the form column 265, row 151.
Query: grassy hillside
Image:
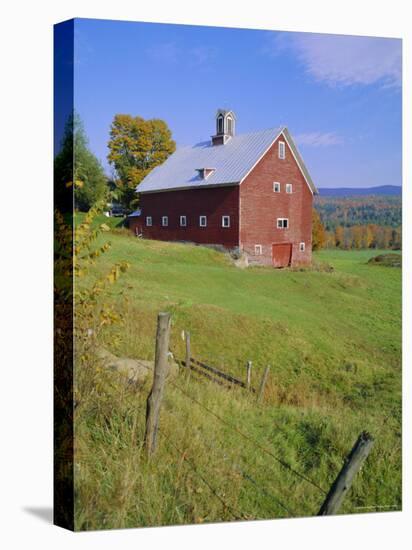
column 333, row 341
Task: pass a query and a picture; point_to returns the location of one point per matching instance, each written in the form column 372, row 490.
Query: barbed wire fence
column 332, row 498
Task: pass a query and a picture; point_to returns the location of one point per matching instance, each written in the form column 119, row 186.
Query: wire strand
column 243, row 473
column 226, row 506
column 250, row 439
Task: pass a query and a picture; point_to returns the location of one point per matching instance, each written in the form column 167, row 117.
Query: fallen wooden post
column 343, row 482
column 263, row 384
column 248, row 373
column 161, row 367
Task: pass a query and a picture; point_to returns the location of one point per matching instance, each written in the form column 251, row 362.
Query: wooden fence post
column 248, row 374
column 187, row 360
column 161, row 367
column 263, row 384
column 343, row 482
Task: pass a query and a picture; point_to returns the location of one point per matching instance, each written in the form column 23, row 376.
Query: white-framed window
column 281, row 150
column 276, row 187
column 220, row 124
column 183, row 221
column 289, row 188
column 229, row 125
column 225, row 221
column 258, row 249
column 149, row 221
column 282, row 223
column 202, row 221
column 165, row 221
column 302, row 247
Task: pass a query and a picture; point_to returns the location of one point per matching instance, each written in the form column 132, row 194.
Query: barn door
column 281, row 254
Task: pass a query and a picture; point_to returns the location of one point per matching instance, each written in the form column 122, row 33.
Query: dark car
column 117, row 210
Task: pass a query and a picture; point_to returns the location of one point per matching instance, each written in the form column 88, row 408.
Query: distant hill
column 360, row 191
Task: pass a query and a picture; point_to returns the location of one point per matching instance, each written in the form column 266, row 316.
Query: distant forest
column 373, row 221
column 349, row 211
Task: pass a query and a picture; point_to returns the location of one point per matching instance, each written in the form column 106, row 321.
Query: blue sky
column 340, row 96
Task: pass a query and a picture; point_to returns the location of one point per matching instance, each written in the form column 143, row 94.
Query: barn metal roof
column 231, row 163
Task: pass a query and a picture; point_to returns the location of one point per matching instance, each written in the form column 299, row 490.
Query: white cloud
column 345, row 60
column 318, row 139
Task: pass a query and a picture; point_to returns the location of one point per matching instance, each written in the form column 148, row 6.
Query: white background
column 26, row 271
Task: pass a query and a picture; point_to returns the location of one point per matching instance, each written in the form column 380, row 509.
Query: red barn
column 250, row 192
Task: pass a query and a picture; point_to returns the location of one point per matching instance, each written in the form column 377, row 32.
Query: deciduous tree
column 318, row 231
column 339, row 236
column 137, row 146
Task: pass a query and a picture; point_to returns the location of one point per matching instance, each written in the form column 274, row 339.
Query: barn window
column 149, row 221
column 225, row 221
column 276, row 187
column 229, row 125
column 220, row 124
column 302, row 247
column 289, row 188
column 258, row 249
column 165, row 221
column 281, row 150
column 183, row 221
column 202, row 221
column 282, row 223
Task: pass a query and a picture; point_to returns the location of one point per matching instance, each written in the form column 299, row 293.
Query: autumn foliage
column 137, row 146
column 364, row 236
column 318, row 231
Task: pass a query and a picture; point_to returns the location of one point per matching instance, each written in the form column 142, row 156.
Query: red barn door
column 281, row 254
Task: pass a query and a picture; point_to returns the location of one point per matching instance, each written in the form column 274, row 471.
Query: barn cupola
column 225, row 127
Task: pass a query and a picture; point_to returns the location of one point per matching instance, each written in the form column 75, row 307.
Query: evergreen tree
column 76, row 164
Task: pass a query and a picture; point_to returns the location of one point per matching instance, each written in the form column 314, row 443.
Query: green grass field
column 333, row 342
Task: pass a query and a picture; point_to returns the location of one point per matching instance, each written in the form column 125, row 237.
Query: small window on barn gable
column 183, row 221
column 202, row 221
column 302, row 247
column 220, row 124
column 225, row 221
column 282, row 223
column 281, row 150
column 289, row 188
column 229, row 125
column 258, row 249
column 165, row 221
column 149, row 221
column 276, row 187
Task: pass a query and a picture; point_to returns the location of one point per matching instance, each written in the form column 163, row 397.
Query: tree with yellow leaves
column 137, row 146
column 339, row 236
column 318, row 231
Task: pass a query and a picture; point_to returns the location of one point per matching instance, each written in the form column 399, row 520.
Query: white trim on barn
column 225, row 221
column 282, row 225
column 299, row 161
